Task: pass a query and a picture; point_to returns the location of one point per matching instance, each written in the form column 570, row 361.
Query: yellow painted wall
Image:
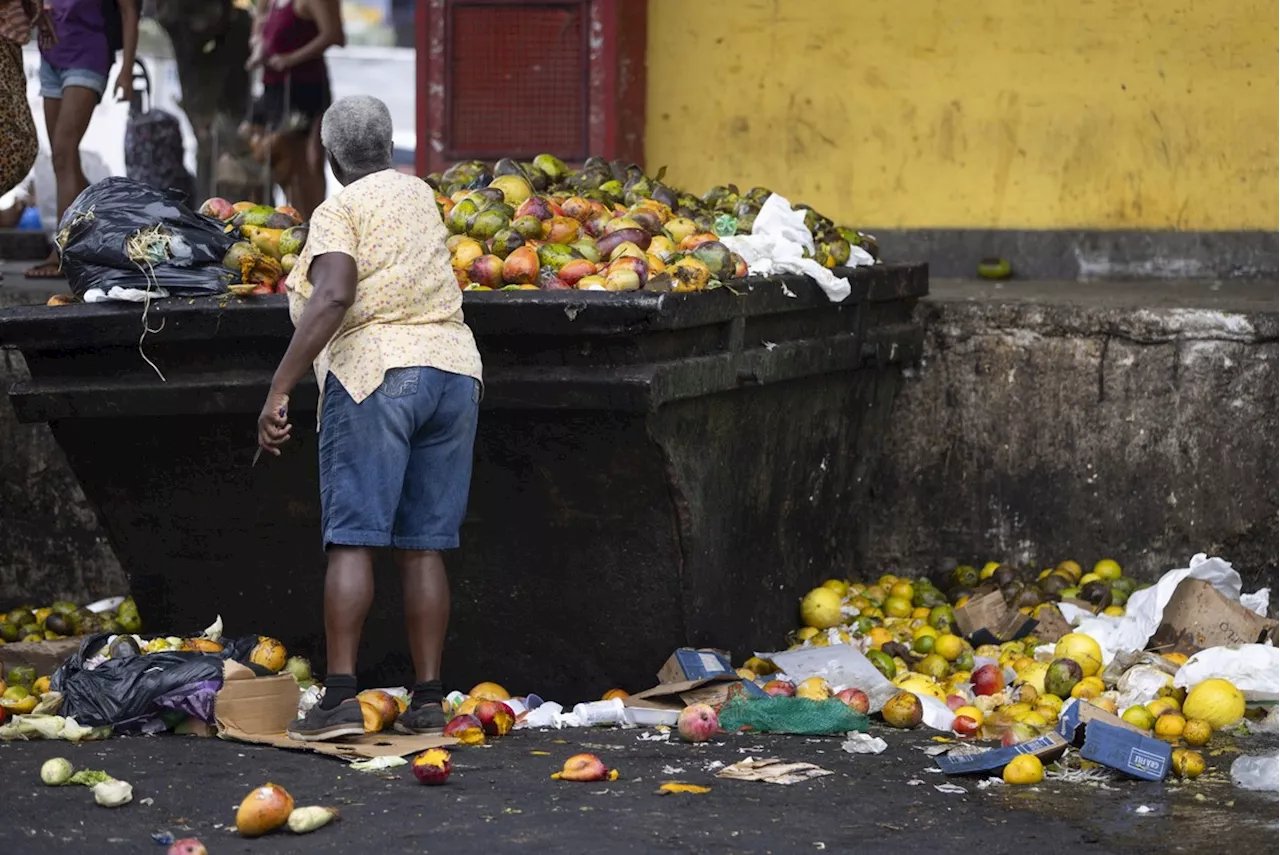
column 1157, row 114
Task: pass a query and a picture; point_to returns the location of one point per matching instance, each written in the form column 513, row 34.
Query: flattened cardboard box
column 1048, row 747
column 258, row 709
column 689, row 663
column 1199, row 617
column 989, row 620
column 675, row 696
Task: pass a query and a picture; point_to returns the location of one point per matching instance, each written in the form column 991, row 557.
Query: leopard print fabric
column 19, row 143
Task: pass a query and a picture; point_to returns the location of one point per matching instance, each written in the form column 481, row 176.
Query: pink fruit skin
column 955, row 702
column 855, row 699
column 187, row 846
column 779, row 689
column 987, row 680
column 698, row 723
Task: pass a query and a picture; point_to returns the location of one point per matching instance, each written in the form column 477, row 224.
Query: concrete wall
column 51, row 546
column 1011, row 114
column 1050, row 423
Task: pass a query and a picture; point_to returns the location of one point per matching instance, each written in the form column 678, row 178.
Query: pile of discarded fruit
column 63, row 619
column 919, row 667
column 272, row 239
column 606, row 227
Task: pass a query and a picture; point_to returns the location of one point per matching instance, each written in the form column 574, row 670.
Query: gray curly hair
column 356, row 131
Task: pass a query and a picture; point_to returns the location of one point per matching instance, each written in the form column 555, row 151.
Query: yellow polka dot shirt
column 408, row 307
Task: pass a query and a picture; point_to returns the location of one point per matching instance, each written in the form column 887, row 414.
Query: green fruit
column 20, row 616
column 127, row 616
column 20, row 675
column 964, row 662
column 923, row 644
column 1118, row 596
column 487, row 223
column 293, row 240
column 528, row 227
column 31, row 628
column 551, row 166
column 16, row 692
column 8, row 632
column 123, row 647
column 994, row 268
column 942, row 618
column 933, row 666
column 258, row 215
column 554, row 255
column 63, row 607
column 883, row 662
column 964, row 576
column 461, row 215
column 1062, row 676
column 59, row 624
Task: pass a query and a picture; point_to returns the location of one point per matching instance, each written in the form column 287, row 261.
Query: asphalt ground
column 501, row 798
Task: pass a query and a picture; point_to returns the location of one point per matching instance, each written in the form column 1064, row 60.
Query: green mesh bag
column 790, row 715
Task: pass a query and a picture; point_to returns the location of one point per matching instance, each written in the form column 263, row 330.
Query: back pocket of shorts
column 399, row 382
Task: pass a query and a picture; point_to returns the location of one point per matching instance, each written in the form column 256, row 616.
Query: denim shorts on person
column 395, row 469
column 53, row 80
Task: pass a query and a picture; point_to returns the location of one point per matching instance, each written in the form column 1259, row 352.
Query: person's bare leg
column 426, row 609
column 348, row 592
column 66, row 121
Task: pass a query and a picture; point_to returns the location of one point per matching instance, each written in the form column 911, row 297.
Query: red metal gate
column 515, row 78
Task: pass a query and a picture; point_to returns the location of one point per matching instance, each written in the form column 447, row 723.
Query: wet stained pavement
column 501, row 798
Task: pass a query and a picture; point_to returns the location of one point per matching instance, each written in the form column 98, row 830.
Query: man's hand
column 273, row 423
column 280, row 62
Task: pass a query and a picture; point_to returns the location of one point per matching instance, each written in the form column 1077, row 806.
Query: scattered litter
column 714, row 765
column 148, row 801
column 864, row 743
column 676, row 787
column 950, row 788
column 1142, row 809
column 935, row 750
column 377, row 764
column 769, row 345
column 771, row 770
column 914, row 782
column 990, row 782
column 646, row 736
column 163, row 838
column 672, row 770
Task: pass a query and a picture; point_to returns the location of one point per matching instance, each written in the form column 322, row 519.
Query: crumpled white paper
column 1146, row 607
column 130, row 295
column 777, row 243
column 1254, row 669
column 863, row 743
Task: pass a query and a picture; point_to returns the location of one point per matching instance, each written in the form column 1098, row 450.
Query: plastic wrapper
column 134, row 693
column 1260, row 772
column 1254, row 669
column 122, row 234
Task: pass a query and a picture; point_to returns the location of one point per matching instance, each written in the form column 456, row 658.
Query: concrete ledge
column 1049, row 421
column 1089, row 255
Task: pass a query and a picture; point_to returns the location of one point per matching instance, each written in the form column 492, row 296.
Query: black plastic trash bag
column 136, row 692
column 122, row 233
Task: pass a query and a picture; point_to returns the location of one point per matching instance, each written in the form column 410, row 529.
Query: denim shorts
column 395, row 469
column 53, row 80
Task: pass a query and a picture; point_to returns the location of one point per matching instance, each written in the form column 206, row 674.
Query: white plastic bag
column 1259, row 772
column 1254, row 669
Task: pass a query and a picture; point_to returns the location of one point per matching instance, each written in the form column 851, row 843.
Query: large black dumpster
column 651, row 470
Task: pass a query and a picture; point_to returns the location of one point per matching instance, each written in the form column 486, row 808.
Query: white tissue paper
column 1146, row 607
column 1254, row 669
column 777, row 244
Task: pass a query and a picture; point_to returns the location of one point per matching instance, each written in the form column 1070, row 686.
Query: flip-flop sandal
column 45, row 271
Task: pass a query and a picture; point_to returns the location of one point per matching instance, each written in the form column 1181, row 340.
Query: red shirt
column 285, row 32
